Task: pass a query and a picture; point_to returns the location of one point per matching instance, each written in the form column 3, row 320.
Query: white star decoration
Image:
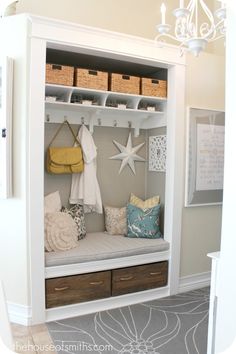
column 127, row 154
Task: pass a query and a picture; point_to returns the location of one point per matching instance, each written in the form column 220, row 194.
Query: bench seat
column 100, row 246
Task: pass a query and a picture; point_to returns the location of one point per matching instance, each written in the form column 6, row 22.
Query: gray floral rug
column 172, row 325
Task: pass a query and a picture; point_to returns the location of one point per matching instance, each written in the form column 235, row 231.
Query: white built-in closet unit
column 27, row 39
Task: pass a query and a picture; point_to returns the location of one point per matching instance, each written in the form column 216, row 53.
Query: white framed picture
column 204, row 157
column 6, row 85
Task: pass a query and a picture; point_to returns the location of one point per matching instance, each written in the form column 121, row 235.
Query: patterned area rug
column 172, row 325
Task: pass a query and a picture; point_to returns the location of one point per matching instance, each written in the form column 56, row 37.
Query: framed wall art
column 204, row 157
column 157, row 153
column 6, row 84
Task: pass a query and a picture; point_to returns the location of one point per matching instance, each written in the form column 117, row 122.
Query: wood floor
column 32, row 340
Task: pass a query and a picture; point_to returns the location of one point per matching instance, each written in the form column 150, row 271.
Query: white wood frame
column 94, row 266
column 5, row 327
column 43, row 33
column 215, row 256
column 6, row 65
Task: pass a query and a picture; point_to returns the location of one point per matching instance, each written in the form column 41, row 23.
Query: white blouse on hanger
column 84, row 187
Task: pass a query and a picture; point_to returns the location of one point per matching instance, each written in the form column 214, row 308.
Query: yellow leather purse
column 62, row 160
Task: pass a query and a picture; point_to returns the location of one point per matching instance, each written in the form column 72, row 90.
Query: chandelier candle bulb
column 163, row 13
column 181, row 4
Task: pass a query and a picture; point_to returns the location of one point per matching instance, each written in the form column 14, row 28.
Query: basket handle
column 93, row 72
column 56, row 67
column 125, row 77
column 155, row 81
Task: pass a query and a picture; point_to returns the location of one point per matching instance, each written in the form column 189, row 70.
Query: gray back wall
column 115, row 187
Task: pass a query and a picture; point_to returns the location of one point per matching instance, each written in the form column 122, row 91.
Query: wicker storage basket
column 97, row 80
column 59, row 74
column 125, row 84
column 153, row 87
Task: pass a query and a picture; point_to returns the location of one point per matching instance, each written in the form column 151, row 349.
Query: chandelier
column 195, row 25
column 8, row 7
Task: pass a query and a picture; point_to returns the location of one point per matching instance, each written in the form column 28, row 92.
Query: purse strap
column 71, row 130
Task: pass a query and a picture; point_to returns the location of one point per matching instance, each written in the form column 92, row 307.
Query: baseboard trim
column 195, row 281
column 19, row 314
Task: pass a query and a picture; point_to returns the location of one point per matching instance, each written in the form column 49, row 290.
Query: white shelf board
column 51, row 88
column 104, row 109
column 102, row 115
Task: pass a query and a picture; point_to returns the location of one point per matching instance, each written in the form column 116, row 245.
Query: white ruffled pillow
column 52, row 202
column 61, row 232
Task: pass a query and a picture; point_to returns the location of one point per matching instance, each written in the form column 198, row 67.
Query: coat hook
column 48, row 117
column 82, row 120
column 129, row 124
column 115, row 123
column 65, row 119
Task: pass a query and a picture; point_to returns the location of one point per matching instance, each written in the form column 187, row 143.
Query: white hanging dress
column 84, row 187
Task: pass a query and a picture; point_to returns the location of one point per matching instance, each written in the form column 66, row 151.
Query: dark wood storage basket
column 59, row 74
column 125, row 84
column 153, row 87
column 97, row 80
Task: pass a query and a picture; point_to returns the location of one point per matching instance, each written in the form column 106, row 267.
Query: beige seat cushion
column 100, row 245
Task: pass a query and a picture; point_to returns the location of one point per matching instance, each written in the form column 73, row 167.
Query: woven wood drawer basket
column 97, row 80
column 125, row 84
column 153, row 87
column 59, row 74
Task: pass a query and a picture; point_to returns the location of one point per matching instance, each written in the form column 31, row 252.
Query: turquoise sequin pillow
column 143, row 223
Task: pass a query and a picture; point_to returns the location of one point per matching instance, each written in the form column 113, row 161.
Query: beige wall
column 204, row 88
column 136, row 17
column 201, row 227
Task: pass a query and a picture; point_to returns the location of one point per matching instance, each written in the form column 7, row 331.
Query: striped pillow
column 144, row 204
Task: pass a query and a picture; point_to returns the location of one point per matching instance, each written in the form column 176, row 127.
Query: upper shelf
column 103, row 107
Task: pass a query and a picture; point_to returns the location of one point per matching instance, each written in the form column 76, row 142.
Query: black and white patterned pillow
column 77, row 213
